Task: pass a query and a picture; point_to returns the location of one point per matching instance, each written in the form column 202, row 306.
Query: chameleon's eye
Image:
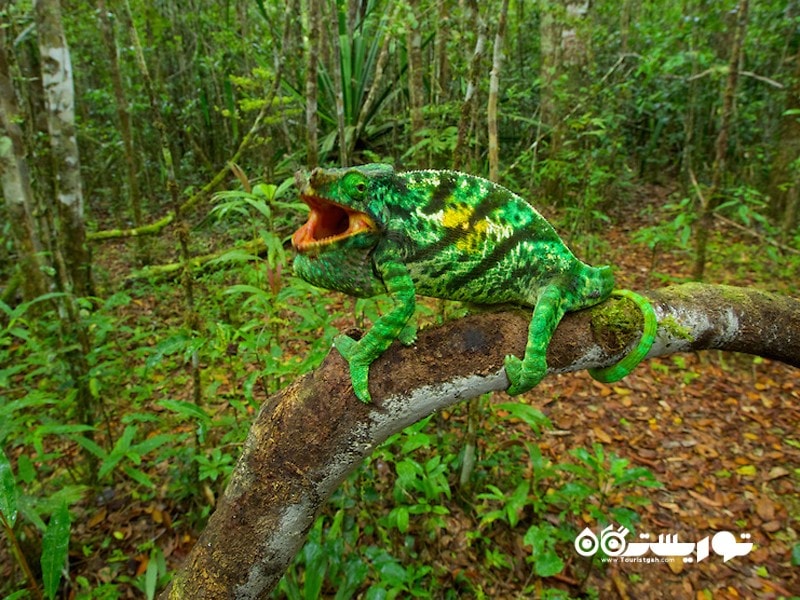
column 356, row 185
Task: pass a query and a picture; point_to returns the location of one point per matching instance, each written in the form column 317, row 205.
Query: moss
column 615, row 322
column 674, row 329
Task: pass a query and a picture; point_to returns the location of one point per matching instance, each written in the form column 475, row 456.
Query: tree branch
column 307, row 438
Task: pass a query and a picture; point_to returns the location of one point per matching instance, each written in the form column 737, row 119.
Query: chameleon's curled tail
column 628, row 364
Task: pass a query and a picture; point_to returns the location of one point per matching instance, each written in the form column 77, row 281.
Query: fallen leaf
column 747, row 470
column 765, row 508
column 776, row 472
column 675, row 564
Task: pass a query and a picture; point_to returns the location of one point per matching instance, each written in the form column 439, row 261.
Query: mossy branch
column 308, row 437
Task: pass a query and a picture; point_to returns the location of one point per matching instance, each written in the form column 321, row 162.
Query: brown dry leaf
column 771, row 526
column 706, row 451
column 776, row 472
column 98, row 517
column 675, row 564
column 602, row 435
column 765, row 508
column 704, row 499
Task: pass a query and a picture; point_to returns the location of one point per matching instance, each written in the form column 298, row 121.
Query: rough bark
column 307, row 438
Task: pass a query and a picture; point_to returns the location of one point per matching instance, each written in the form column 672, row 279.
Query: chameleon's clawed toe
column 523, row 375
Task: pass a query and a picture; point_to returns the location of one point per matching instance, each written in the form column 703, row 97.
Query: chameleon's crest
column 330, row 222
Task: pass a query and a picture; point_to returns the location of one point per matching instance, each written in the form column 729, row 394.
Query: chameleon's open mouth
column 328, row 222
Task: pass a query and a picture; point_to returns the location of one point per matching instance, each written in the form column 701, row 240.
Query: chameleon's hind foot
column 525, row 374
column 359, row 366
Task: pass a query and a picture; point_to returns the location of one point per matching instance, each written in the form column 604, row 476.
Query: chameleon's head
column 339, row 200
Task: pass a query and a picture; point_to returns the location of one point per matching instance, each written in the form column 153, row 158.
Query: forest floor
column 721, row 432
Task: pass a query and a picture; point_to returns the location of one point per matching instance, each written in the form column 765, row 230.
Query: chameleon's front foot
column 523, row 375
column 359, row 366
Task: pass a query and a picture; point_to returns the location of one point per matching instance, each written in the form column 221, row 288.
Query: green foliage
column 55, row 535
column 403, row 498
column 593, row 485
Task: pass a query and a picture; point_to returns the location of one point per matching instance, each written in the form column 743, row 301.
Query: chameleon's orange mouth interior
column 329, row 222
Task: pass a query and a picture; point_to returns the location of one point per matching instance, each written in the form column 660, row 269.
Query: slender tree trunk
column 377, row 80
column 713, row 197
column 564, row 48
column 785, row 175
column 338, row 90
column 312, row 149
column 494, row 90
column 191, row 316
column 59, row 94
column 440, row 65
column 64, row 212
column 416, row 91
column 123, row 114
column 16, row 185
column 470, row 97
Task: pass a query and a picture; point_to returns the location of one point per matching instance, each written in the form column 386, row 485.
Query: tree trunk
column 564, row 49
column 16, row 186
column 494, row 90
column 307, row 438
column 377, row 80
column 471, row 95
column 440, row 85
column 312, row 144
column 59, row 93
column 338, row 89
column 192, row 319
column 784, row 179
column 713, row 197
column 123, row 114
column 416, row 88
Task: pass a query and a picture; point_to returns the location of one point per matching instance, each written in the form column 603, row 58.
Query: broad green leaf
column 185, row 409
column 139, row 477
column 548, row 564
column 8, row 491
column 533, row 417
column 55, row 544
column 401, row 514
column 151, row 578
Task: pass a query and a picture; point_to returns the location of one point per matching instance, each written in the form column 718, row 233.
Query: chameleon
column 445, row 234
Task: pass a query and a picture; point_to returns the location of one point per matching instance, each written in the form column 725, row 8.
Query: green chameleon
column 449, row 235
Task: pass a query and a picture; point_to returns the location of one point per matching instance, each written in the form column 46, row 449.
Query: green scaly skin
column 447, row 235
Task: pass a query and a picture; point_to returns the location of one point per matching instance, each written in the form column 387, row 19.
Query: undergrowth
column 70, row 494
